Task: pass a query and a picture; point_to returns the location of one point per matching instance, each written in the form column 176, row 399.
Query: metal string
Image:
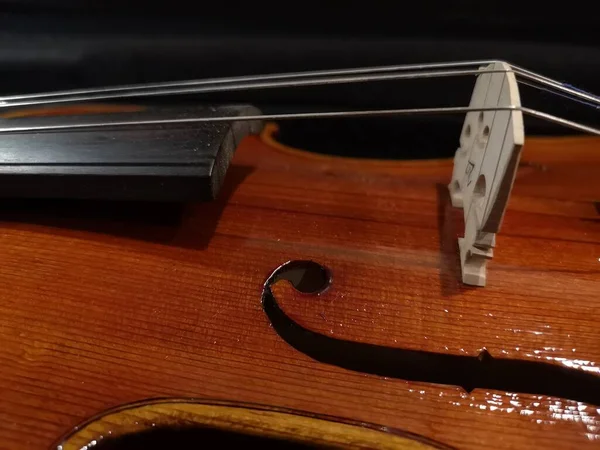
column 240, row 79
column 308, row 115
column 245, row 86
column 297, row 79
column 293, row 79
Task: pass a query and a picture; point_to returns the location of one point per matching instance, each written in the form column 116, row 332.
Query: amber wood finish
column 246, row 420
column 101, row 307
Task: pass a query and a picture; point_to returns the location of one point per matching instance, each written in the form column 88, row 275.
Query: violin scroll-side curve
column 193, row 423
column 307, row 277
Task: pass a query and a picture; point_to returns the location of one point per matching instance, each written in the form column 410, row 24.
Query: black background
column 57, row 44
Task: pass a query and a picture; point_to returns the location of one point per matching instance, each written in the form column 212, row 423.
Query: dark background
column 58, row 44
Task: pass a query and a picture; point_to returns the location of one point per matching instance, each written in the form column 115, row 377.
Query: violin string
column 559, row 94
column 305, row 74
column 245, row 86
column 297, row 79
column 240, row 79
column 308, row 115
column 314, row 78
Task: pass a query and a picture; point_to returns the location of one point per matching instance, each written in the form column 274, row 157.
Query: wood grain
column 99, row 307
column 144, row 418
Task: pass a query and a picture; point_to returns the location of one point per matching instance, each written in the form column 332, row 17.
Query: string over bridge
column 485, row 163
column 485, row 166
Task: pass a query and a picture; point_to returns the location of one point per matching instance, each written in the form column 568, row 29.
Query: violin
column 294, row 298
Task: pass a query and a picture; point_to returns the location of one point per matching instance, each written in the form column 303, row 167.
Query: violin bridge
column 485, row 166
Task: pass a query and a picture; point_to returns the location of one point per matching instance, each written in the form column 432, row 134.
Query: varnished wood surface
column 145, row 418
column 97, row 311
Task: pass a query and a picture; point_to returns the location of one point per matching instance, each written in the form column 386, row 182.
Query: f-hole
column 469, row 372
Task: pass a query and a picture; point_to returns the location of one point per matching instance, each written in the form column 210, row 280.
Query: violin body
column 104, row 304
